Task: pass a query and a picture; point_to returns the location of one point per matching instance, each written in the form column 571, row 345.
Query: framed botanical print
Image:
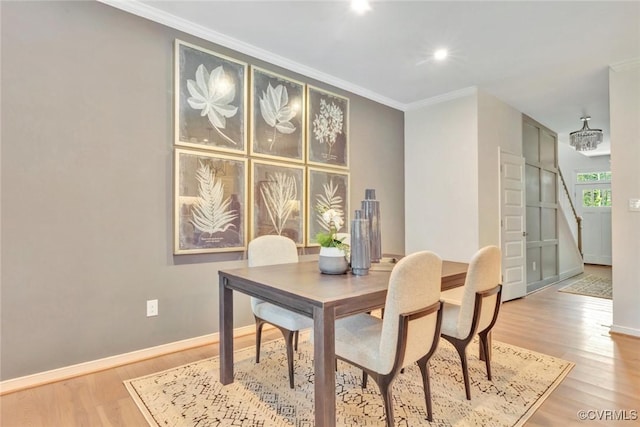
column 277, row 200
column 327, row 128
column 210, row 197
column 327, row 189
column 210, row 100
column 277, row 116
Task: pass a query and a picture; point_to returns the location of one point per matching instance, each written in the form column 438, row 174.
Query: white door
column 512, row 226
column 593, row 202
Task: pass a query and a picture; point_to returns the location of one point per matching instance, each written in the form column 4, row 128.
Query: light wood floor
column 572, row 327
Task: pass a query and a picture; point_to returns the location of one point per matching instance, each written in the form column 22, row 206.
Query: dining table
column 300, row 287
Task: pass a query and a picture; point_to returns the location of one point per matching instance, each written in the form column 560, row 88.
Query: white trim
column 615, row 329
column 571, row 273
column 625, row 65
column 460, row 93
column 148, row 12
column 41, row 378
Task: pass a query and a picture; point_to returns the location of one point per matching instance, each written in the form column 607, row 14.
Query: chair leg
column 289, row 338
column 259, row 325
column 461, row 347
column 385, row 390
column 484, row 345
column 462, row 351
column 295, row 344
column 424, row 368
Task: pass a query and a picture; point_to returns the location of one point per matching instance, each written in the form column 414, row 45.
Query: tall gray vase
column 371, row 209
column 360, row 247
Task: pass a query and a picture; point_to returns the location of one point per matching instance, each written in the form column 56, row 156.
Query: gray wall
column 87, row 140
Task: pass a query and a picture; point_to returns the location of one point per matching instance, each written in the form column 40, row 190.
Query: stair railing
column 577, row 217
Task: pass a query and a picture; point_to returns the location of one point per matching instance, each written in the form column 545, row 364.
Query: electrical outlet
column 534, row 269
column 152, row 307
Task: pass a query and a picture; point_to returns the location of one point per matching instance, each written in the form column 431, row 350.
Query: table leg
column 324, row 352
column 226, row 332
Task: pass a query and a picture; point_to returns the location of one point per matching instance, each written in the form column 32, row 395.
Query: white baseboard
column 570, row 273
column 41, row 378
column 625, row 331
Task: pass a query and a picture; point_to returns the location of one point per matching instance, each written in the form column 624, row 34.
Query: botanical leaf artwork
column 278, row 193
column 213, row 93
column 211, row 213
column 326, row 201
column 327, row 125
column 275, row 111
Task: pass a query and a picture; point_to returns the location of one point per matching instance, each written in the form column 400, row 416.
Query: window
column 596, row 198
column 594, row 177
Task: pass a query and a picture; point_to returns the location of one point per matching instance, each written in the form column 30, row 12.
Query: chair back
column 271, row 250
column 484, row 273
column 414, row 284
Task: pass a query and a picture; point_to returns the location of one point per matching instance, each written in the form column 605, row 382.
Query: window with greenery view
column 594, row 176
column 595, row 198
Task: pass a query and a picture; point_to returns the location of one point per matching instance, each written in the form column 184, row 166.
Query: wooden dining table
column 300, row 287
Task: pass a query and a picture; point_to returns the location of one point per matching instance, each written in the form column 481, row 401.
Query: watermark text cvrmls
column 608, row 415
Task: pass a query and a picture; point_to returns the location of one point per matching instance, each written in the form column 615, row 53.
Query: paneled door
column 593, row 202
column 512, row 226
column 541, row 177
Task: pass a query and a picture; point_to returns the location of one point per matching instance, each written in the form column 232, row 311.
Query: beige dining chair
column 473, row 309
column 271, row 250
column 408, row 333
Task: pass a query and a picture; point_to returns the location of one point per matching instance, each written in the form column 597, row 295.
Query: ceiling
column 549, row 60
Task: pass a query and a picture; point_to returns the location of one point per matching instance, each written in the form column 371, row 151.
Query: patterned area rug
column 590, row 285
column 191, row 395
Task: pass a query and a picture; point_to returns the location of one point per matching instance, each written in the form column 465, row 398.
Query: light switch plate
column 634, row 205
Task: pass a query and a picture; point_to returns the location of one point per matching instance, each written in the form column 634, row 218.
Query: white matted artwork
column 327, row 128
column 210, row 202
column 277, row 116
column 277, row 200
column 327, row 189
column 210, row 100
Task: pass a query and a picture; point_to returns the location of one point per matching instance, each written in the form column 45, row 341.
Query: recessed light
column 440, row 54
column 360, row 6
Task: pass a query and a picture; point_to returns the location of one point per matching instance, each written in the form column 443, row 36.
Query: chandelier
column 586, row 138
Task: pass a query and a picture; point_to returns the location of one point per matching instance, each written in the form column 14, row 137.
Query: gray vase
column 371, row 209
column 360, row 246
column 332, row 261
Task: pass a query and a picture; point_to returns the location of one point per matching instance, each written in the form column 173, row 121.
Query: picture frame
column 326, row 189
column 277, row 200
column 204, row 120
column 278, row 106
column 210, row 202
column 327, row 128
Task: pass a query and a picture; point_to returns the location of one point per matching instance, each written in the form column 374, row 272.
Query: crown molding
column 626, row 65
column 460, row 93
column 151, row 13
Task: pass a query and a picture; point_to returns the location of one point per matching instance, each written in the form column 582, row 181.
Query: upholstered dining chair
column 473, row 309
column 408, row 333
column 271, row 250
